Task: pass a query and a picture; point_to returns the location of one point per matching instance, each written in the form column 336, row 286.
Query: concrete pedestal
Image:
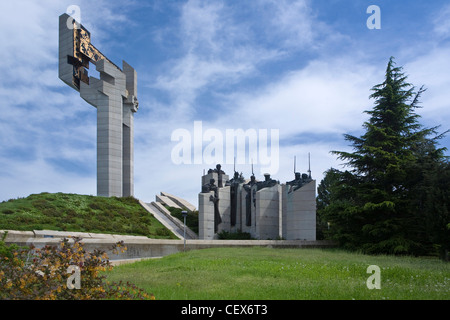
column 299, row 218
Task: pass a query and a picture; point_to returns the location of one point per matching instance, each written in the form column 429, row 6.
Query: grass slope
column 264, row 273
column 73, row 212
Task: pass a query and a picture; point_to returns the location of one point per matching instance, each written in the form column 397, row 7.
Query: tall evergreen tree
column 380, row 211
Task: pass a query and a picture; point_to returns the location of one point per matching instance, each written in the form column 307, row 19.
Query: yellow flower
column 22, row 283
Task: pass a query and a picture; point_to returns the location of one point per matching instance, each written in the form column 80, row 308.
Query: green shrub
column 51, row 212
column 239, row 235
column 129, row 200
column 42, row 274
column 70, row 212
column 191, row 218
column 145, row 220
column 95, row 206
column 139, row 229
column 162, row 232
column 42, row 204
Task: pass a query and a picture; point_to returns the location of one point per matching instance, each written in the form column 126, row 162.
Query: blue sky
column 304, row 68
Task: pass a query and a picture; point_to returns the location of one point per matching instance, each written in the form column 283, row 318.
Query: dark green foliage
column 191, row 218
column 394, row 197
column 435, row 208
column 239, row 235
column 162, row 232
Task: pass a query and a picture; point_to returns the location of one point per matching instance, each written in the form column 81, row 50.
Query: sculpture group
column 265, row 209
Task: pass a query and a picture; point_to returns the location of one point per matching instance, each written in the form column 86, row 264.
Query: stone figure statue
column 248, row 202
column 267, row 183
column 299, row 181
column 220, row 173
column 207, row 188
column 234, row 187
column 237, row 178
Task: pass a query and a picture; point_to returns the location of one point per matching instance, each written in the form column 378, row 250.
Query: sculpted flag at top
column 115, row 97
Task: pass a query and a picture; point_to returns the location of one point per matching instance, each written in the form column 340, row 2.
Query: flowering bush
column 32, row 273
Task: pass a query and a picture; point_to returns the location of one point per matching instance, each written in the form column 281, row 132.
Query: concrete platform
column 142, row 247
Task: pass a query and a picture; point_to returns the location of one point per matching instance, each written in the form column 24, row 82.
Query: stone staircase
column 159, row 211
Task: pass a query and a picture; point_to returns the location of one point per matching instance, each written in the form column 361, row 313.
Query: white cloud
column 442, row 22
column 201, row 25
column 428, row 70
column 325, row 96
column 191, row 74
column 219, row 49
column 291, row 23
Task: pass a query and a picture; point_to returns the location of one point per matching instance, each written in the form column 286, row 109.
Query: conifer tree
column 375, row 203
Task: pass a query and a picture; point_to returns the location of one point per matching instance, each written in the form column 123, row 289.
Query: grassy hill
column 84, row 213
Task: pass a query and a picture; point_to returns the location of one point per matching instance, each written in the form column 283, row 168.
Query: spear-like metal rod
column 309, row 164
column 295, row 163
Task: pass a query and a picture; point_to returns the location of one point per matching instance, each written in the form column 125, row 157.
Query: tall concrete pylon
column 115, row 97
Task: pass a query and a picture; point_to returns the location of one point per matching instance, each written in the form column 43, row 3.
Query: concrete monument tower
column 115, row 97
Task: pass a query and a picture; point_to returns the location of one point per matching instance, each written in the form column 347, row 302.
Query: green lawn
column 264, row 273
column 84, row 213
